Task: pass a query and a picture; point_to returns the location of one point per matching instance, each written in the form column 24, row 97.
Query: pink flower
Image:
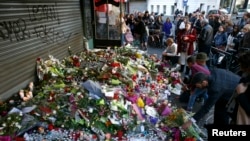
column 149, row 101
column 167, row 111
column 132, row 98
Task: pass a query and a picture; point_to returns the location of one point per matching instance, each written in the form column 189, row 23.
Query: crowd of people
column 191, row 42
column 219, row 87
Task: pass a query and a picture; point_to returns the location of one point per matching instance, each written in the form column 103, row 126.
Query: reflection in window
column 114, row 23
column 107, row 20
column 101, row 25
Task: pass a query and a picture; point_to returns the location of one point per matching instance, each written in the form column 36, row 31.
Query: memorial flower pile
column 10, row 123
column 100, row 95
column 176, row 119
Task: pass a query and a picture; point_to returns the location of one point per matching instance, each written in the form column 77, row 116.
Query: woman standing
column 158, row 24
column 232, row 39
column 131, row 23
column 238, row 107
column 245, row 43
column 220, row 38
column 185, row 41
column 243, row 91
column 167, row 26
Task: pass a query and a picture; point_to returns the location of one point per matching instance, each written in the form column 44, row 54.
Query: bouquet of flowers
column 175, row 81
column 177, row 118
column 10, row 124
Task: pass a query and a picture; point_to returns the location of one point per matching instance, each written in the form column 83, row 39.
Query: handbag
column 242, row 117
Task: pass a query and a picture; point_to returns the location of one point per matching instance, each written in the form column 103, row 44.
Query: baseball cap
column 201, row 56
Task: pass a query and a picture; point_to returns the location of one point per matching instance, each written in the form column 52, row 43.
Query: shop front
column 33, row 29
column 108, row 18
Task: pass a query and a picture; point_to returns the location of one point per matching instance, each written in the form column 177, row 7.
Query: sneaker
column 189, row 109
column 198, row 99
column 202, row 101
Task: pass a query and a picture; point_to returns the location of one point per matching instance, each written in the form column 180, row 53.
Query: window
column 158, row 9
column 164, row 9
column 152, row 8
column 248, row 6
column 186, row 8
column 108, row 23
column 172, row 9
column 87, row 20
column 202, row 6
column 208, row 7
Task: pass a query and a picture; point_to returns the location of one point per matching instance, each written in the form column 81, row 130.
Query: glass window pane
column 108, row 21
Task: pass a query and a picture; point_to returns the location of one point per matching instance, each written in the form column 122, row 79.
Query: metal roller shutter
column 35, row 28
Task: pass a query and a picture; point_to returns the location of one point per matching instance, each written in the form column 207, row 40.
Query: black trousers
column 220, row 113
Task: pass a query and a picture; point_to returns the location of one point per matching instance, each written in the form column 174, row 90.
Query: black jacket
column 222, row 84
column 244, row 98
column 206, row 36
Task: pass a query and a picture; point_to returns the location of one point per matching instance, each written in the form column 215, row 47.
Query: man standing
column 205, row 38
column 220, row 86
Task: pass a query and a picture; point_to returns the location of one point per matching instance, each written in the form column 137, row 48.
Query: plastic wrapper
column 94, row 88
column 28, row 123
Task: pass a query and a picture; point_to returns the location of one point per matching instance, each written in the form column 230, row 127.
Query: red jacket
column 188, row 44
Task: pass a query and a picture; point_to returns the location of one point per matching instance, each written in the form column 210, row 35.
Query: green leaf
column 81, row 121
column 115, row 82
column 101, row 102
column 131, row 69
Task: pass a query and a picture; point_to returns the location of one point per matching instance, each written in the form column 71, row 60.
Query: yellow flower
column 138, row 55
column 140, row 103
column 172, row 117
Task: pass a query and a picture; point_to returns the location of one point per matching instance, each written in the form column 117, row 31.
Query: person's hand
column 241, row 88
column 186, row 125
column 184, row 87
column 185, row 38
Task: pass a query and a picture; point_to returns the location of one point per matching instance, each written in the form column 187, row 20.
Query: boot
column 182, row 68
column 187, row 70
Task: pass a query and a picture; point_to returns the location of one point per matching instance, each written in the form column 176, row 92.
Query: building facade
column 167, row 7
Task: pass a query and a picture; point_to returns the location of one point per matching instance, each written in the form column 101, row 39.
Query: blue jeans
column 122, row 39
column 197, row 92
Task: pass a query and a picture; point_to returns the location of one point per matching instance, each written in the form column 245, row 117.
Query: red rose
column 50, row 127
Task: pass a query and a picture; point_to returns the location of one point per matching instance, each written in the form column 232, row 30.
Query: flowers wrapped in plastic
column 10, row 124
column 175, row 120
